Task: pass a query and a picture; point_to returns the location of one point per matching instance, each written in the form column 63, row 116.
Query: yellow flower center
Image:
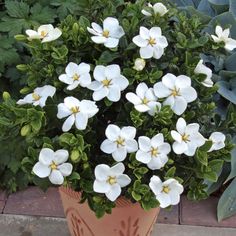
column 166, row 189
column 154, row 152
column 105, row 33
column 75, row 109
column 145, row 101
column 185, row 138
column 35, row 96
column 106, row 82
column 175, row 92
column 152, row 41
column 75, row 77
column 43, row 34
column 53, row 166
column 111, row 180
column 120, row 141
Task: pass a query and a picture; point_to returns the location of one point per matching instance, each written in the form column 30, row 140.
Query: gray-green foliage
column 223, row 13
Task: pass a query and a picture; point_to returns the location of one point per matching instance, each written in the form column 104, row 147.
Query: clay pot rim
column 120, row 202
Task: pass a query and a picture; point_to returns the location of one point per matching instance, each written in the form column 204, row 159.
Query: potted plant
column 123, row 113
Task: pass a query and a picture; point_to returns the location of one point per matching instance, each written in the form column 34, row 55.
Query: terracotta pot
column 127, row 219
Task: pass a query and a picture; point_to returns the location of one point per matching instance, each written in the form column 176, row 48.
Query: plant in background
column 223, row 15
column 149, row 131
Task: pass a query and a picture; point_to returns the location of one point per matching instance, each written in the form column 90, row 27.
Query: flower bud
column 22, row 67
column 25, row 90
column 139, row 64
column 6, row 96
column 25, row 130
column 20, row 37
column 75, row 156
column 75, row 28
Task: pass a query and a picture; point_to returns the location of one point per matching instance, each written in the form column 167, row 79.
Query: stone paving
column 34, row 213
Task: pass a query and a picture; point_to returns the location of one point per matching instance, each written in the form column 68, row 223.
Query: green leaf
column 228, row 90
column 233, row 162
column 202, row 157
column 227, row 204
column 137, row 197
column 171, row 172
column 212, row 176
column 17, row 9
column 232, row 7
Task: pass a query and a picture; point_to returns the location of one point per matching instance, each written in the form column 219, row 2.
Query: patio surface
column 34, row 213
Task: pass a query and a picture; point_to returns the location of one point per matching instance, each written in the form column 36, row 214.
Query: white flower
column 39, row 96
column 168, row 192
column 153, row 152
column 202, row 69
column 119, row 142
column 109, row 35
column 76, row 75
column 145, row 100
column 218, row 141
column 178, row 91
column 78, row 111
column 46, row 33
column 151, row 42
column 52, row 164
column 110, row 180
column 187, row 139
column 109, row 83
column 223, row 36
column 139, row 64
column 158, row 8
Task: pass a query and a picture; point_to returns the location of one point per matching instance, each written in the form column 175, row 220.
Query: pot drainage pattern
column 78, row 225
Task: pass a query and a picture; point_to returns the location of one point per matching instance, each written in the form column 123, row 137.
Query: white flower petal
column 112, row 71
column 53, row 35
column 99, row 39
column 56, row 177
column 191, row 149
column 111, row 42
column 189, row 94
column 72, row 69
column 155, row 32
column 41, row 170
column 101, row 186
column 128, row 132
column 65, row 169
column 117, row 169
column 144, row 157
column 81, row 121
column 66, row 79
column 133, row 98
column 60, row 156
column 164, row 200
column 146, row 52
column 161, row 91
column 142, row 108
column 155, row 184
column 68, row 123
column 146, row 13
column 144, row 143
column 63, row 111
column 119, row 154
column 88, row 107
column 98, row 95
column 219, row 31
column 180, row 105
column 71, row 102
column 183, row 81
column 179, row 148
column 99, row 73
column 95, row 85
column 144, row 32
column 169, row 80
column 230, row 44
column 131, row 145
column 72, row 86
column 46, row 156
column 97, row 27
column 121, row 81
column 139, row 41
column 181, row 125
column 102, row 172
column 83, row 68
column 123, row 180
column 108, row 146
column 112, row 132
column 114, row 192
column 176, row 136
column 157, row 140
column 174, row 197
column 114, row 93
column 157, row 163
column 141, row 90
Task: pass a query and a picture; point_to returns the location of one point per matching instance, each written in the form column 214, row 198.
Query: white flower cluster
column 175, row 91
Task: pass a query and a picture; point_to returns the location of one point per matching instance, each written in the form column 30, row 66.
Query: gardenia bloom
column 158, row 8
column 110, row 180
column 144, row 100
column 52, row 164
column 168, row 192
column 78, row 112
column 151, row 42
column 139, row 64
column 223, row 36
column 39, row 96
column 109, row 83
column 178, row 91
column 119, row 142
column 202, row 69
column 46, row 33
column 76, row 75
column 109, row 35
column 187, row 138
column 218, row 141
column 153, row 152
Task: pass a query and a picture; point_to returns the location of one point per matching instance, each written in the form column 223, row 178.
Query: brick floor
column 35, row 202
column 203, row 213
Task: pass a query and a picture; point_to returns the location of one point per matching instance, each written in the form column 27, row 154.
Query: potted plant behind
column 128, row 116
